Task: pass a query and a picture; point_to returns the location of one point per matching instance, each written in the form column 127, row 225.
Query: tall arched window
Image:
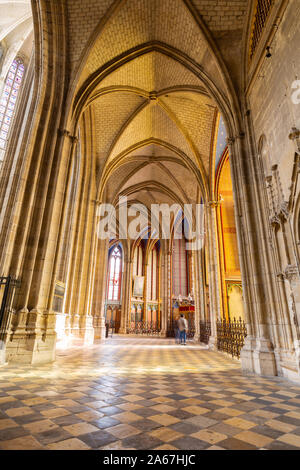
column 180, row 271
column 8, row 99
column 115, row 274
column 138, row 261
column 153, row 274
column 180, row 264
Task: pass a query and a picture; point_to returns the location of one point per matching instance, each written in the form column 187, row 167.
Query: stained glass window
column 180, row 263
column 138, row 261
column 8, row 99
column 153, row 274
column 115, row 273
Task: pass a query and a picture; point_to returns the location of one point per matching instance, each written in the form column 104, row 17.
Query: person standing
column 182, row 326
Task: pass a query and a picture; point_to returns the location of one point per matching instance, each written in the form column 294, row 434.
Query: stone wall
column 275, row 117
column 270, row 97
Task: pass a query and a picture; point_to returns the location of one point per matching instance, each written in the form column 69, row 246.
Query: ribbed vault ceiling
column 140, row 21
column 152, row 71
column 155, row 114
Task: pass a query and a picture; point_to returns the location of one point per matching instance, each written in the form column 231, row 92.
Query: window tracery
column 115, row 274
column 9, row 98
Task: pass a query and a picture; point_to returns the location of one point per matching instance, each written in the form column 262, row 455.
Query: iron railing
column 231, row 335
column 205, row 331
column 143, row 328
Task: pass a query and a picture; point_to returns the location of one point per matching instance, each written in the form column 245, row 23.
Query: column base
column 82, row 328
column 86, row 329
column 290, row 364
column 99, row 328
column 2, row 353
column 31, row 349
column 264, row 358
column 32, row 338
column 246, row 355
column 62, row 325
column 297, row 353
column 290, row 368
column 122, row 331
column 257, row 356
column 212, row 343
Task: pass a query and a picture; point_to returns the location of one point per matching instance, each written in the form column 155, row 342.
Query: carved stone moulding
column 294, row 134
column 275, row 221
column 280, row 276
column 284, row 211
column 291, row 272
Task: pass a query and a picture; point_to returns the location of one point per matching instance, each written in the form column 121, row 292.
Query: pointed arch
column 125, row 157
column 114, row 281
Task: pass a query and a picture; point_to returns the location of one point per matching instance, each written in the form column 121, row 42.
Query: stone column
column 164, row 289
column 79, row 282
column 292, row 272
column 126, row 294
column 159, row 280
column 198, row 288
column 100, row 285
column 61, row 248
column 284, row 338
column 169, row 283
column 257, row 354
column 33, row 333
column 145, row 293
column 214, row 290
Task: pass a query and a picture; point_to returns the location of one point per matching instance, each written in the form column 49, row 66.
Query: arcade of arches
column 160, row 102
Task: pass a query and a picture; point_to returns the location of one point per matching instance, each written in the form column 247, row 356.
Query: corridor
column 145, row 393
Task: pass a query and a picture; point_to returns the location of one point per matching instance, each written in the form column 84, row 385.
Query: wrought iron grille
column 7, row 289
column 231, row 336
column 263, row 9
column 205, row 331
column 143, row 328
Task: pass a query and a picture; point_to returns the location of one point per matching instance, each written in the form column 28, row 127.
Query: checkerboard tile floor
column 145, row 393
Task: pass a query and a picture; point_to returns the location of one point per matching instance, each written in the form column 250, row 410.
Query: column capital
column 241, row 135
column 291, row 272
column 63, row 132
column 215, row 204
column 269, row 179
column 230, row 141
column 74, row 139
column 295, row 136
